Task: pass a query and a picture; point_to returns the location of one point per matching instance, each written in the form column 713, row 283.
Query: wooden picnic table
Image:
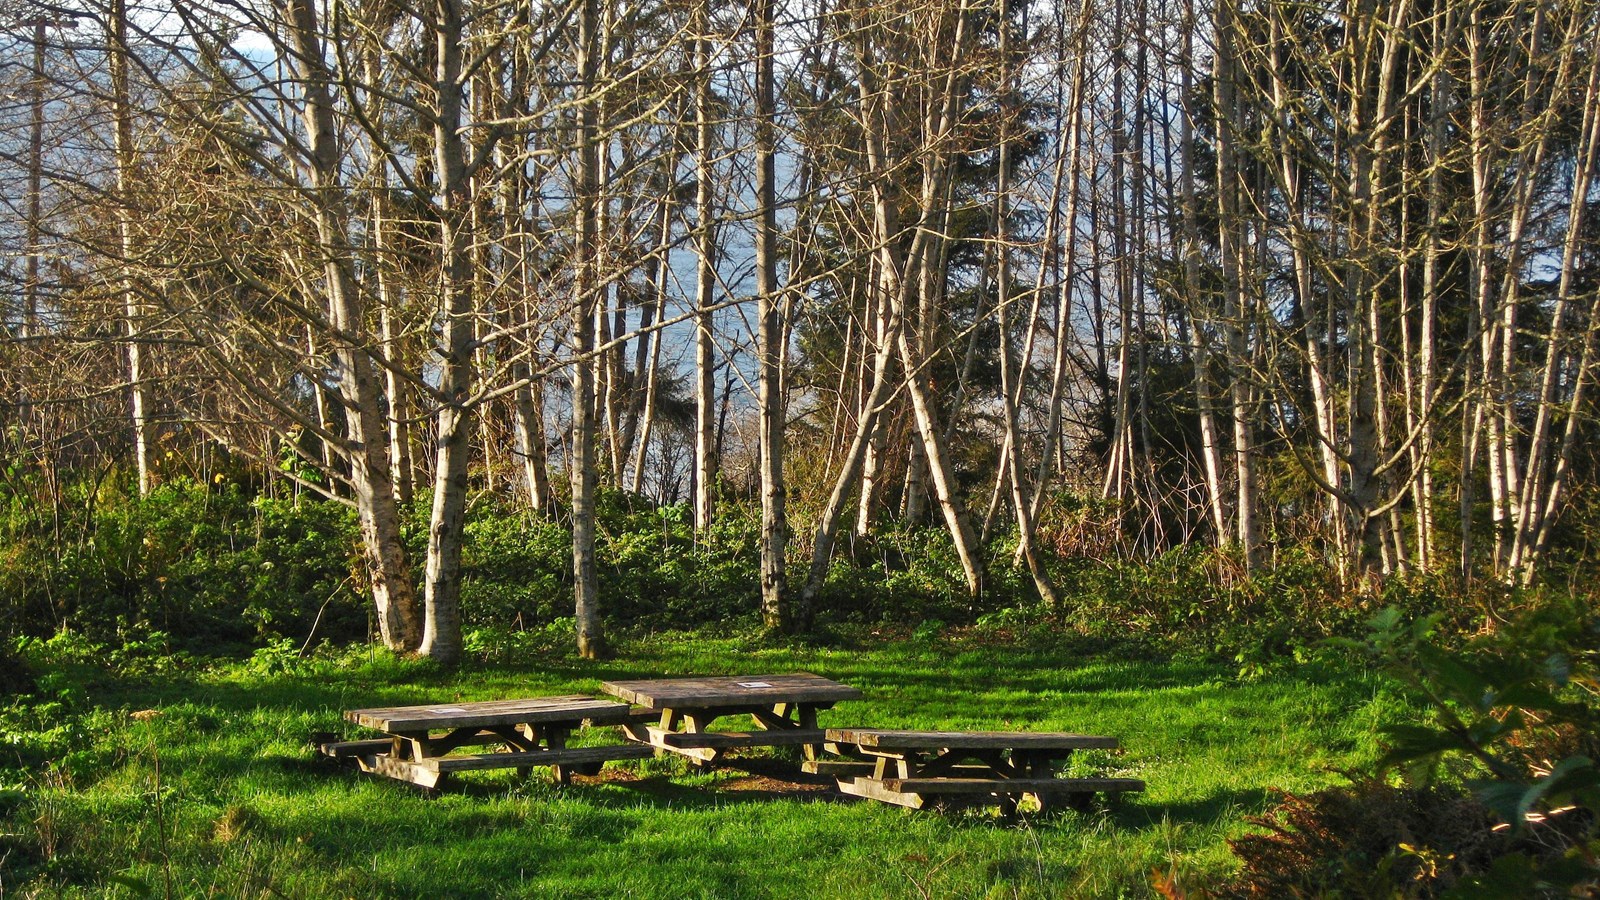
column 533, row 732
column 783, row 707
column 912, row 767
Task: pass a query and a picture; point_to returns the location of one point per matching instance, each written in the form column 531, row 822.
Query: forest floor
column 197, row 780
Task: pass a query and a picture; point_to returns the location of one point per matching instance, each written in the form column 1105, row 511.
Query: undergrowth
column 214, row 568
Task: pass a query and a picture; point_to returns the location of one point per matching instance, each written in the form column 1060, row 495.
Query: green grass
column 240, row 807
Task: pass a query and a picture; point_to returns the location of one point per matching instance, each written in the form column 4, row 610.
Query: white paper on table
column 752, row 684
column 447, row 709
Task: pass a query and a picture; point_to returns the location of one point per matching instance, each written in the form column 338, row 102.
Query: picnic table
column 783, row 707
column 422, row 739
column 912, row 768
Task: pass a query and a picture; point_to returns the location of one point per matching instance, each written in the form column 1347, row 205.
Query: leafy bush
column 906, row 574
column 221, row 569
column 151, row 654
column 516, row 568
column 1516, row 719
column 55, row 723
column 1367, row 840
column 205, row 563
column 1203, row 600
column 498, row 646
column 1500, row 791
column 16, row 676
column 653, row 570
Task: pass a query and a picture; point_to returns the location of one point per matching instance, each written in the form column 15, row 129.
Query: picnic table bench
column 783, row 708
column 422, row 739
column 910, row 768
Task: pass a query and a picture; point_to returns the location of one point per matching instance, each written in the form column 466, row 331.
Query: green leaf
column 1448, row 672
column 1503, row 798
column 1513, row 875
column 1575, row 773
column 1408, row 742
column 1528, row 696
column 1386, row 620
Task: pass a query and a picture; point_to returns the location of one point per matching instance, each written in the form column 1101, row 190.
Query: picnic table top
column 972, row 740
column 572, row 708
column 740, row 690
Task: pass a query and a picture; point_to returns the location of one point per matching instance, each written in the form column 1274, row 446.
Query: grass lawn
column 219, row 794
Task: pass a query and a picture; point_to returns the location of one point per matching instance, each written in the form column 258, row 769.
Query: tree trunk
column 775, row 611
column 441, row 639
column 132, row 308
column 33, row 231
column 1009, row 376
column 591, row 639
column 705, row 393
column 1067, row 231
column 1235, row 318
column 383, row 546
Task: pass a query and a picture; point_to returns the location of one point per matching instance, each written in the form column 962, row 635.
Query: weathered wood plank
column 861, row 767
column 348, row 749
column 841, row 768
column 425, row 746
column 884, row 739
column 626, row 715
column 572, row 756
column 873, row 789
column 708, row 693
column 571, row 708
column 728, row 739
column 1012, row 785
column 401, row 770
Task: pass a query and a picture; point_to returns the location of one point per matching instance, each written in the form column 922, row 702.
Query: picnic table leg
column 1008, row 806
column 903, row 768
column 406, row 749
column 670, row 719
column 1034, row 765
column 937, row 763
column 413, row 745
column 804, row 717
column 1014, row 765
column 806, row 714
column 698, row 723
column 530, row 732
column 997, row 763
column 692, row 721
column 589, row 769
column 556, row 739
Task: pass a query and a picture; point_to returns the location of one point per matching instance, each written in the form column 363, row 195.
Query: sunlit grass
column 242, row 808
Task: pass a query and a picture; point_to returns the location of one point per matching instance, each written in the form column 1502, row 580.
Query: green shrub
column 1201, row 600
column 498, row 646
column 516, row 568
column 220, row 569
column 653, row 570
column 1367, row 840
column 16, row 676
column 1500, row 793
column 204, row 563
column 906, row 574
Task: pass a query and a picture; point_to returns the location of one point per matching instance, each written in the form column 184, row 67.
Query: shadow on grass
column 737, row 780
column 1219, row 805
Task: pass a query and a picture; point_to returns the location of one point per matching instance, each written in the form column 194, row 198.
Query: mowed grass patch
column 218, row 794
